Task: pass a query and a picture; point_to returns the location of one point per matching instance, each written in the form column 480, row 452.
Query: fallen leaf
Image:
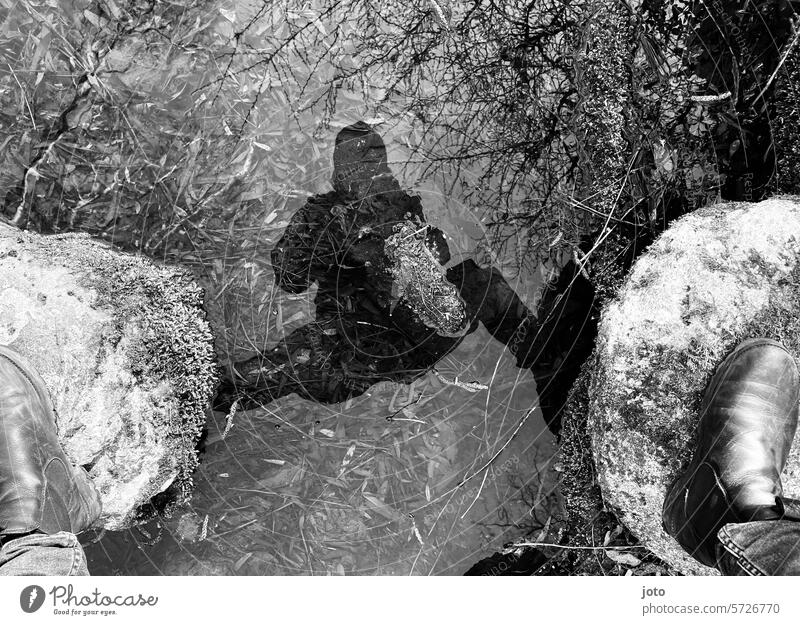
column 348, row 455
column 620, row 557
column 242, row 560
column 382, row 508
column 286, row 475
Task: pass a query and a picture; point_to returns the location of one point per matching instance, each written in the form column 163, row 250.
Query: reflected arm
column 553, row 343
column 492, row 301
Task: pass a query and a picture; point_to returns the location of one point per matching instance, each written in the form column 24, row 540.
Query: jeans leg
column 759, row 548
column 43, row 554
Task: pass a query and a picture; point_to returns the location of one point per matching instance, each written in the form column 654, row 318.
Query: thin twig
column 785, row 56
column 472, row 387
column 235, row 529
column 499, row 451
column 570, row 547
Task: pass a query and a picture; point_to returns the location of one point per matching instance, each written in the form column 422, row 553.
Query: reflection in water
column 365, row 332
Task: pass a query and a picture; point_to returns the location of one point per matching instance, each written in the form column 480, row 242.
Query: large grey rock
column 718, row 276
column 124, row 348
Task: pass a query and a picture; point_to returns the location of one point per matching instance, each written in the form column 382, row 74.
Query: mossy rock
column 420, row 280
column 783, row 122
column 127, row 355
column 720, row 275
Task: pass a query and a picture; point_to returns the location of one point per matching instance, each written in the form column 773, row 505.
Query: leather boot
column 748, row 419
column 40, row 490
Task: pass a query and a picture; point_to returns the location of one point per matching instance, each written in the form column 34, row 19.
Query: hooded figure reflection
column 364, row 334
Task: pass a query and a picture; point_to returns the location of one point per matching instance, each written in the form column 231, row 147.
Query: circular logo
column 31, row 598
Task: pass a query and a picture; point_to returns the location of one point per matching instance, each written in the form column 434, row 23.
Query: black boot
column 748, row 419
column 40, row 491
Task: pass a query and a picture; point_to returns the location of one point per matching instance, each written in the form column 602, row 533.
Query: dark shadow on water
column 363, row 333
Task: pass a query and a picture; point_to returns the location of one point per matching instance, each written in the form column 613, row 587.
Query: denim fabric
column 759, row 548
column 43, row 554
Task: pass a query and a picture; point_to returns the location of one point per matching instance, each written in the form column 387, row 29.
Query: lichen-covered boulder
column 717, row 276
column 124, row 348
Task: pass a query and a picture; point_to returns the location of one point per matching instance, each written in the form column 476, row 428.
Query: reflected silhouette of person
column 364, row 332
